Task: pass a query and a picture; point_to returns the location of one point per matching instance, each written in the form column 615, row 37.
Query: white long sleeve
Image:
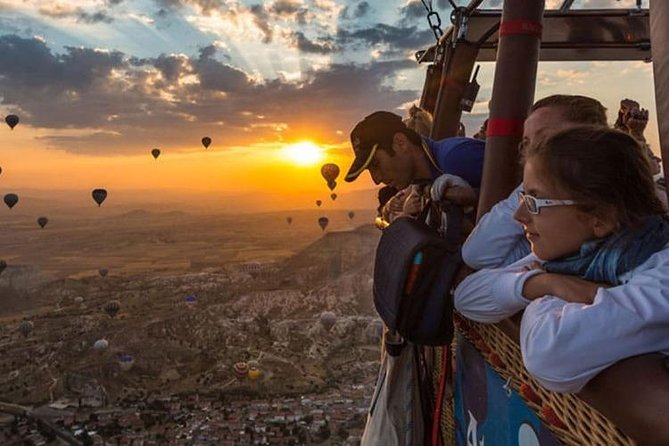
column 497, row 240
column 491, row 295
column 566, row 344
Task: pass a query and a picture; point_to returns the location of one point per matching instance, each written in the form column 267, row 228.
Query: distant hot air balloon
column 155, row 153
column 190, row 300
column 0, row 169
column 328, row 319
column 101, row 345
column 206, row 141
column 99, row 195
column 323, row 222
column 25, row 327
column 289, row 220
column 42, row 221
column 3, row 266
column 79, row 300
column 351, row 214
column 125, row 362
column 103, row 272
column 11, row 121
column 330, row 172
column 333, row 196
column 318, row 203
column 254, row 372
column 112, row 308
column 11, row 200
column 241, row 369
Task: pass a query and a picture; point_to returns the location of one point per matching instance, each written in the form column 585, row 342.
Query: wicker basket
column 571, row 420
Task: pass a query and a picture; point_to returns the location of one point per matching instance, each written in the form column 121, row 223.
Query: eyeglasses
column 534, row 204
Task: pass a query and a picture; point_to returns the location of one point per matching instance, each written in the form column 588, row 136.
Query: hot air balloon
column 103, row 272
column 333, row 196
column 3, row 266
column 323, row 222
column 0, row 169
column 190, row 301
column 241, row 369
column 99, row 195
column 101, row 345
column 289, row 220
column 25, row 327
column 125, row 361
column 155, row 153
column 254, row 371
column 11, row 200
column 79, row 300
column 112, row 308
column 206, row 141
column 328, row 320
column 318, row 203
column 42, row 221
column 330, row 172
column 351, row 214
column 11, row 121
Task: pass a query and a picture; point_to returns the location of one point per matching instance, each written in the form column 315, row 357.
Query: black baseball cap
column 375, row 130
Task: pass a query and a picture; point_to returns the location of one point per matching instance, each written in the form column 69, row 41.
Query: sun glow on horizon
column 304, row 153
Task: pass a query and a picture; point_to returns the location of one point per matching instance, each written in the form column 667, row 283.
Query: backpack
column 414, row 270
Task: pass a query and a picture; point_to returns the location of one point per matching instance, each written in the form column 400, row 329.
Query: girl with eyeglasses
column 595, row 289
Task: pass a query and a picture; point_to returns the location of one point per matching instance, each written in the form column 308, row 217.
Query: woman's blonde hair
column 419, row 120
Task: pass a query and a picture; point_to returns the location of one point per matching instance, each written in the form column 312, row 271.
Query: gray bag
column 396, row 415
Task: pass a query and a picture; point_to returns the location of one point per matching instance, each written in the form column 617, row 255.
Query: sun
column 304, row 153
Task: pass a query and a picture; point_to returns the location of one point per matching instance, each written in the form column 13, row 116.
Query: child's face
column 555, row 231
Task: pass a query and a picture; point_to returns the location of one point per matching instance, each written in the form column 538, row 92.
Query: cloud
column 396, row 37
column 61, row 11
column 125, row 103
column 325, row 46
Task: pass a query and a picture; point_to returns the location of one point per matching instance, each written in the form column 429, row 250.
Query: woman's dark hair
column 601, row 168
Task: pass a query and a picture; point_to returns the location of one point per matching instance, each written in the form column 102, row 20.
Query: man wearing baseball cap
column 397, row 156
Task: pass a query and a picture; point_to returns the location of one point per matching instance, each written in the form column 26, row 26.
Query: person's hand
column 636, row 120
column 568, row 288
column 414, row 203
column 454, row 189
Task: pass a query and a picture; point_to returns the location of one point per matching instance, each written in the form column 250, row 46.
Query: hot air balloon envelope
column 332, row 185
column 206, row 141
column 112, row 308
column 323, row 222
column 351, row 214
column 328, row 320
column 155, row 153
column 190, row 300
column 42, row 221
column 100, row 345
column 333, row 196
column 125, row 362
column 78, row 300
column 3, row 266
column 289, row 220
column 241, row 369
column 318, row 203
column 25, row 327
column 99, row 195
column 330, row 172
column 11, row 121
column 103, row 272
column 11, row 200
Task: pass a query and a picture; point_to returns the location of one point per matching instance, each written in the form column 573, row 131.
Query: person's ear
column 401, row 142
column 604, row 222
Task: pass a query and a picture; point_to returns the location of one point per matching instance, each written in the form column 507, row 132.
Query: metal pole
column 458, row 69
column 659, row 40
column 512, row 97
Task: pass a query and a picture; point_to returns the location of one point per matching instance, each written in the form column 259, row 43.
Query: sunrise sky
column 277, row 86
